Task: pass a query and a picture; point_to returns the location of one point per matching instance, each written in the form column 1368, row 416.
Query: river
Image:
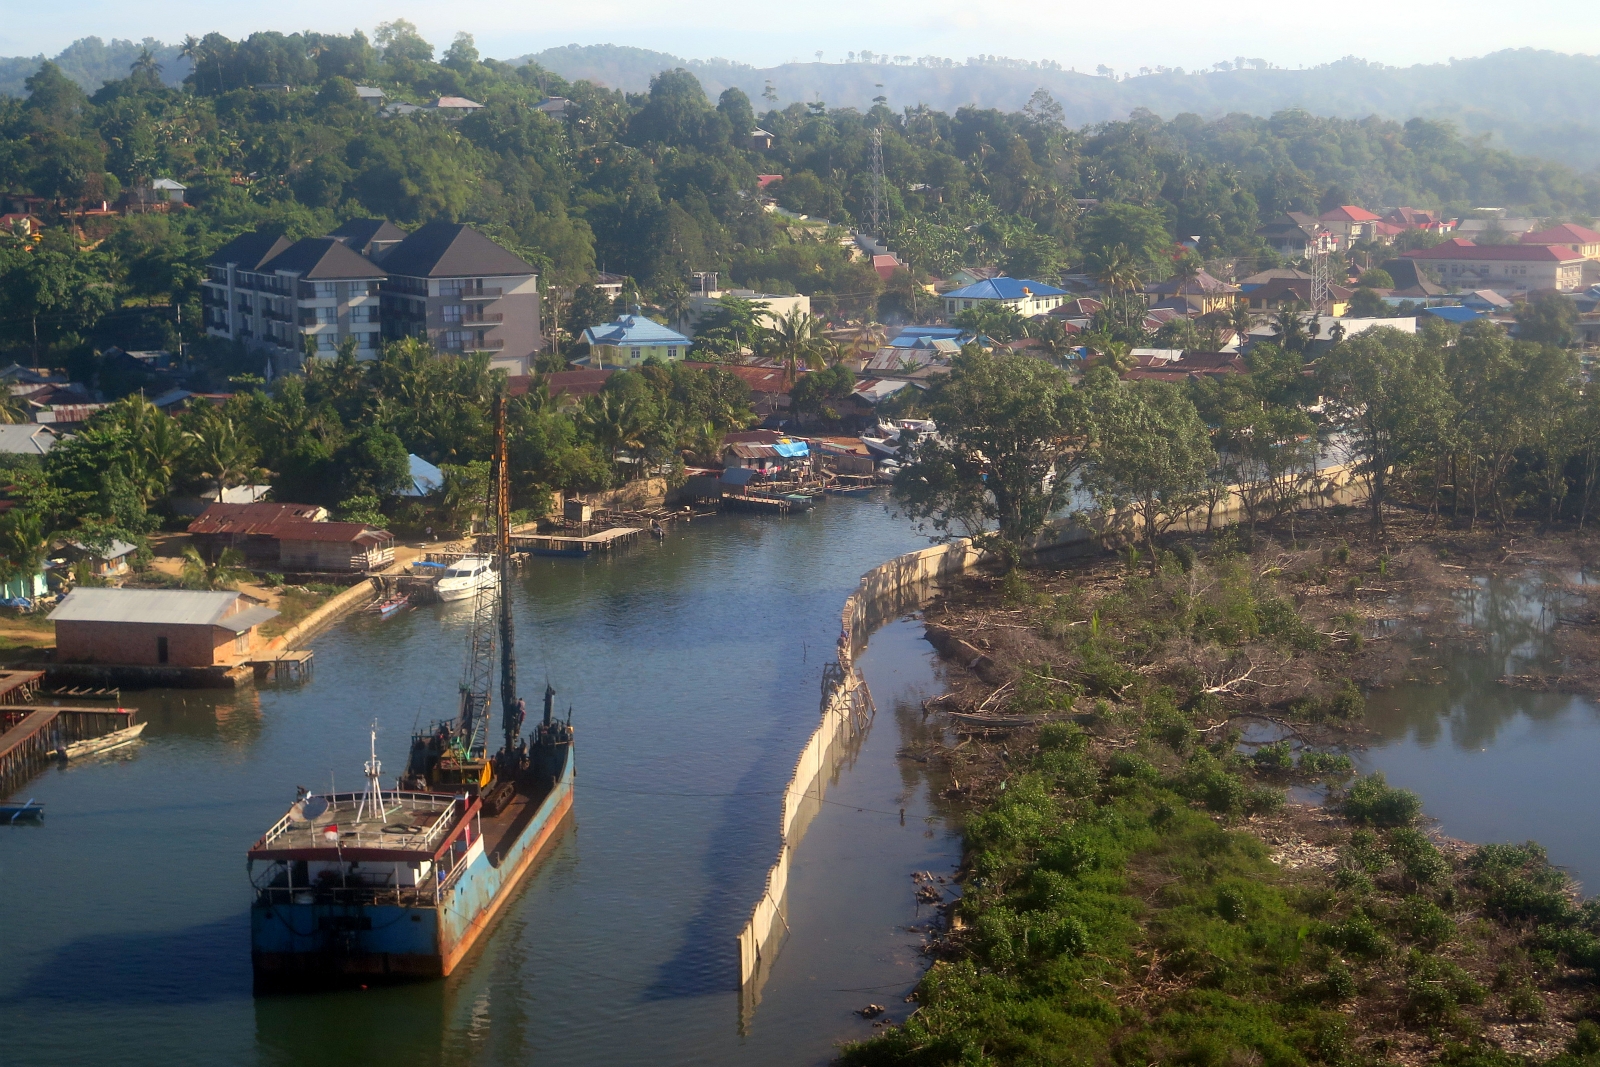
column 693, row 667
column 1496, row 763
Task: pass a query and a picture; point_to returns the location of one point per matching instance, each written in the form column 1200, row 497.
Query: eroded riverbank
column 1087, row 700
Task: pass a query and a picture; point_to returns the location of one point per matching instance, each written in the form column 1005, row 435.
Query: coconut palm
column 223, row 455
column 224, row 572
column 796, row 339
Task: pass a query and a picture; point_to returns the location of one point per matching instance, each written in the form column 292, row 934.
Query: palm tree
column 22, row 544
column 794, row 339
column 225, row 572
column 12, row 407
column 224, row 455
column 1242, row 320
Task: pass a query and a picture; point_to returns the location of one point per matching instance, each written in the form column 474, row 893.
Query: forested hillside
column 659, row 184
column 1528, row 100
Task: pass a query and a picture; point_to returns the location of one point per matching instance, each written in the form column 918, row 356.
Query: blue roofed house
column 631, row 340
column 1024, row 296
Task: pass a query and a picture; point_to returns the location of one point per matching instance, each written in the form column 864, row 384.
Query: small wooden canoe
column 80, row 749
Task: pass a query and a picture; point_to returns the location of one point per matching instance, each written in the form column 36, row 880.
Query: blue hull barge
column 353, row 894
column 400, row 884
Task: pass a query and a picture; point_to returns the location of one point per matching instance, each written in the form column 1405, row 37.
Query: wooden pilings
column 34, row 734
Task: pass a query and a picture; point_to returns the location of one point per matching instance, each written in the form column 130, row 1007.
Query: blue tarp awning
column 1452, row 314
column 791, row 449
column 738, row 475
column 425, row 478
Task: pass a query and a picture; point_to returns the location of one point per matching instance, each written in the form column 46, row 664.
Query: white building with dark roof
column 315, row 293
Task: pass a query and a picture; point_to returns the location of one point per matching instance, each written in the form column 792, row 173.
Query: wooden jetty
column 33, row 735
column 290, row 664
column 578, row 547
column 18, row 687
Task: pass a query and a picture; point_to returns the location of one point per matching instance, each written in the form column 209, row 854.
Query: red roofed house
column 885, row 265
column 1509, row 269
column 1350, row 224
column 293, row 536
column 568, row 388
column 1189, row 365
column 1583, row 241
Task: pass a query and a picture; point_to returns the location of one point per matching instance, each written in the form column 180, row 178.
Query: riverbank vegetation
column 1137, row 887
column 340, row 435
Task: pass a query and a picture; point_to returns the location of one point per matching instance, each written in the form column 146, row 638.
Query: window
column 161, row 650
column 672, row 353
column 327, row 342
column 636, row 355
column 325, row 290
column 453, row 312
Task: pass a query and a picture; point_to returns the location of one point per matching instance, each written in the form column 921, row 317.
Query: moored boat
column 28, row 811
column 392, row 606
column 400, row 884
column 95, row 745
column 465, row 577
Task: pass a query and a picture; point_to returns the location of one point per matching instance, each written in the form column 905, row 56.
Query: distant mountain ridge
column 1530, row 101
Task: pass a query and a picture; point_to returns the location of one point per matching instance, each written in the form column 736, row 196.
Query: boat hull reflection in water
column 396, row 906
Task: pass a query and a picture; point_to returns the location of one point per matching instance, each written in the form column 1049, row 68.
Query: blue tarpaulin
column 791, row 449
column 738, row 475
column 425, row 478
column 1452, row 314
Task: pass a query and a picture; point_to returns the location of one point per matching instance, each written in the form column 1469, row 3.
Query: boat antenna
column 374, row 793
column 510, row 706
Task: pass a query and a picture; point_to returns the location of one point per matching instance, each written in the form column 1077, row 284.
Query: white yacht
column 465, row 577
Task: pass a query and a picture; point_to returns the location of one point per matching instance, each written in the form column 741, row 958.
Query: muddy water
column 694, row 668
column 1494, row 763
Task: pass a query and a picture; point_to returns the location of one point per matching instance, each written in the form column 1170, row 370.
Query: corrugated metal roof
column 240, row 621
column 25, row 439
column 1003, row 289
column 633, row 330
column 176, row 607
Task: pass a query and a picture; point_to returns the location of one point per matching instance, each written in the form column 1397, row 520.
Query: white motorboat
column 465, row 577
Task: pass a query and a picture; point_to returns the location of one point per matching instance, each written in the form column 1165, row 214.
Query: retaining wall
column 885, row 591
column 349, row 600
column 846, row 709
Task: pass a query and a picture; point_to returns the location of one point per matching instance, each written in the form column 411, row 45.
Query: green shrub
column 1338, row 984
column 1358, row 936
column 1136, row 768
column 1585, row 1039
column 1352, row 880
column 1208, row 781
column 1436, row 987
column 1274, row 758
column 1071, row 855
column 1008, row 938
column 1419, row 858
column 1314, row 762
column 1372, row 800
column 1422, row 920
column 1231, row 904
column 1525, row 1002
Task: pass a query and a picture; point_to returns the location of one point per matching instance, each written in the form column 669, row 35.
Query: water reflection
column 1495, row 762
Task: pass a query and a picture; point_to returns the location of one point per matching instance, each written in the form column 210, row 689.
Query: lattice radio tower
column 1321, row 281
column 880, row 202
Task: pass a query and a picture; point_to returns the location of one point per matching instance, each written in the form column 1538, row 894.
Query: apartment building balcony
column 476, row 346
column 483, row 317
column 479, row 294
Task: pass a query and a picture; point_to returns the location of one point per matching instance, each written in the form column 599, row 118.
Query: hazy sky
column 1125, row 36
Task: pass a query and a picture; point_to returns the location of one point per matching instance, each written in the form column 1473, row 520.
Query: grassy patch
column 294, row 604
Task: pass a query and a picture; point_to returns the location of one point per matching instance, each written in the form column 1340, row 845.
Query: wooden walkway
column 34, row 734
column 555, row 545
column 18, row 687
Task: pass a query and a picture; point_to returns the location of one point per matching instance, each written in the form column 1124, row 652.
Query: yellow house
column 631, row 340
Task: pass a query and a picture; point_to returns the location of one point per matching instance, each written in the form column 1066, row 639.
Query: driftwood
column 952, row 646
column 967, row 719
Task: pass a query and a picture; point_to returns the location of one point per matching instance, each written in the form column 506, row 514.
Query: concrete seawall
column 354, row 597
column 889, row 589
column 846, row 709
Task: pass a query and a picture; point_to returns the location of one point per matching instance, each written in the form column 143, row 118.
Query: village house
column 111, row 563
column 1022, row 295
column 631, row 340
column 343, row 547
column 26, row 439
column 1350, row 224
column 158, row 627
column 1291, row 235
column 1199, row 295
column 249, row 528
column 706, row 304
column 1580, row 239
column 1510, row 269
